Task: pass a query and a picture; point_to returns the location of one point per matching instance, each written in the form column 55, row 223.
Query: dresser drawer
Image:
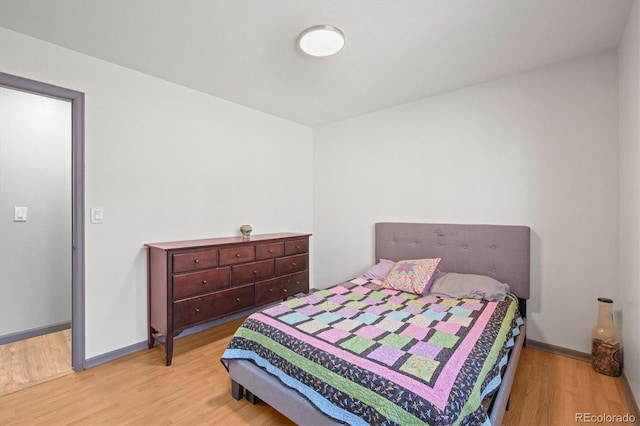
column 200, row 309
column 193, row 311
column 252, row 272
column 197, row 283
column 235, row 299
column 279, row 288
column 296, row 247
column 298, row 283
column 191, row 261
column 291, row 264
column 269, row 251
column 231, row 256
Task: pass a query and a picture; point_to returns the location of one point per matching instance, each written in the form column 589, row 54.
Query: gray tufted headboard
column 499, row 251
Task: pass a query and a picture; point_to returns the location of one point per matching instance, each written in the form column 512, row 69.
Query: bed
column 365, row 388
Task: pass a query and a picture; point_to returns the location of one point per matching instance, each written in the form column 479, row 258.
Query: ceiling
column 396, row 51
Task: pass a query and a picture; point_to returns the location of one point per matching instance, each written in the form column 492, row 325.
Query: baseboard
column 113, row 355
column 581, row 356
column 128, row 350
column 34, row 332
column 628, row 393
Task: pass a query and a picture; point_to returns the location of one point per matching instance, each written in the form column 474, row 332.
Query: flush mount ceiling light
column 321, row 40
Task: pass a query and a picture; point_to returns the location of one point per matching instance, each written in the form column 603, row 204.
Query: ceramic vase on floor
column 605, row 343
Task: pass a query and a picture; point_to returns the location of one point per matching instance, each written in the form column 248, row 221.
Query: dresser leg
column 169, row 348
column 152, row 339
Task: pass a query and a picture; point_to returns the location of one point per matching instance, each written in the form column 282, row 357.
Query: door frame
column 77, row 200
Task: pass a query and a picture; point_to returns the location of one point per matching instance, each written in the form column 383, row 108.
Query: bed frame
column 499, row 251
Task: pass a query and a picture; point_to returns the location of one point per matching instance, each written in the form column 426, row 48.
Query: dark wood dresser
column 193, row 282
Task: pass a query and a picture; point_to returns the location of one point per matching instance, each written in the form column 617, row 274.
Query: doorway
column 21, row 213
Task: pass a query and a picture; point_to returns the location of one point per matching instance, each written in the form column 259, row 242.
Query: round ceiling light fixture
column 321, row 40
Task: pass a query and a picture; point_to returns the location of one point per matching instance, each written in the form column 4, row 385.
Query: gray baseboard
column 34, row 332
column 582, row 356
column 128, row 350
column 628, row 393
column 113, row 355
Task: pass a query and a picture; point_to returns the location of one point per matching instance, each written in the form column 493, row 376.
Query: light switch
column 20, row 214
column 97, row 215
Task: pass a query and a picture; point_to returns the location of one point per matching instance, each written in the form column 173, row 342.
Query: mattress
column 363, row 354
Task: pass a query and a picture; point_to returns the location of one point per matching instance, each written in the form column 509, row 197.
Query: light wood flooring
column 140, row 390
column 31, row 361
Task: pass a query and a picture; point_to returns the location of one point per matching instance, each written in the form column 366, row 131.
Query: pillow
column 412, row 276
column 472, row 286
column 379, row 270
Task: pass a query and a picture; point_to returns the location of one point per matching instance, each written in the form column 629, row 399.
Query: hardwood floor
column 140, row 390
column 551, row 389
column 35, row 360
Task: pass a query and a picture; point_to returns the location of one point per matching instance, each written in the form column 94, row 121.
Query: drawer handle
column 297, row 282
column 237, row 254
column 293, row 264
column 298, row 247
column 196, row 261
column 284, row 290
column 238, row 300
column 270, row 250
column 270, row 290
column 197, row 310
column 204, row 282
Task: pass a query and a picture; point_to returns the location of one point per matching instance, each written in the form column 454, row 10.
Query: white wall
column 629, row 225
column 166, row 163
column 536, row 149
column 35, row 172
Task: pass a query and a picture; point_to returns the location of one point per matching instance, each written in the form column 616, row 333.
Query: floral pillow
column 412, row 276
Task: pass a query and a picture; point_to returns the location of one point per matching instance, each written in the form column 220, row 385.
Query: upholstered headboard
column 499, row 251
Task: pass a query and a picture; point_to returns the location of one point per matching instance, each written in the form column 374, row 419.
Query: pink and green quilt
column 364, row 354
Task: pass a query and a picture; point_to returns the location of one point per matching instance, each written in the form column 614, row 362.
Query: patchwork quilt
column 364, row 354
